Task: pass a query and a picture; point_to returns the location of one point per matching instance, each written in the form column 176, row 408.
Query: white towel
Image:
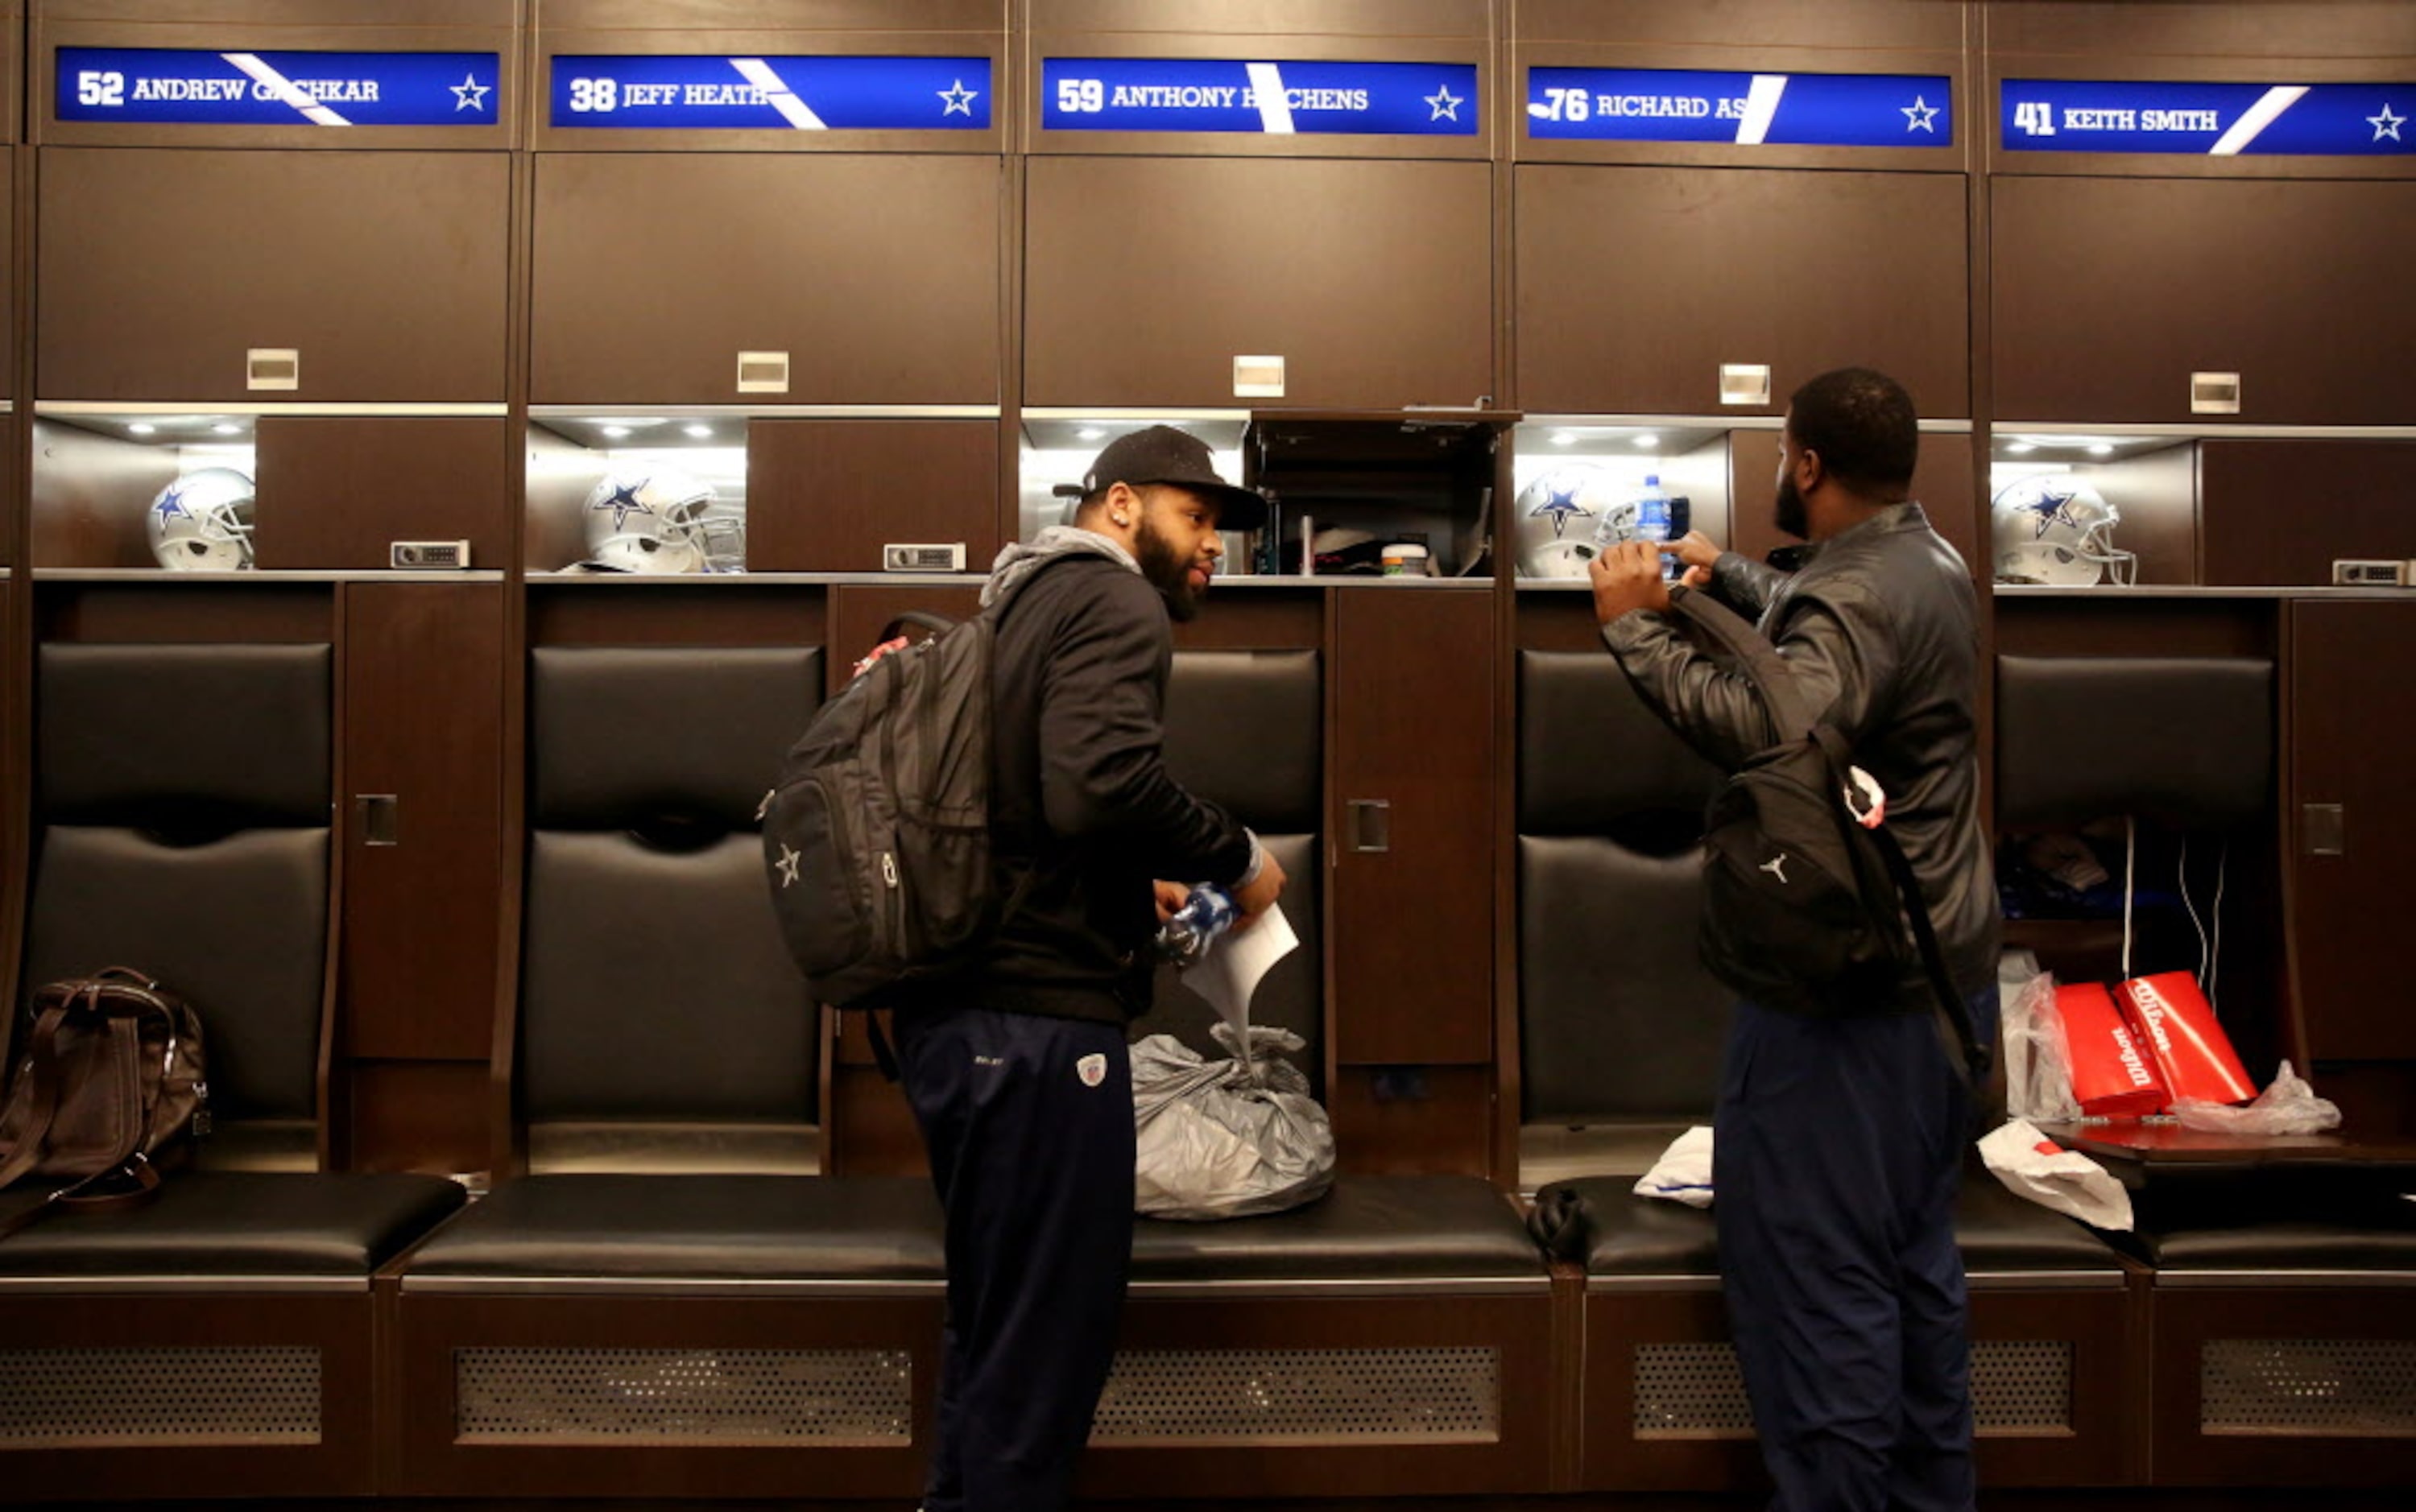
column 1683, row 1173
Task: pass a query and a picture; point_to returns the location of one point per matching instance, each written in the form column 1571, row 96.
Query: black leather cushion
column 1592, row 757
column 621, row 737
column 1243, row 729
column 2278, row 1218
column 1618, row 1017
column 1620, row 1233
column 2000, row 1231
column 691, row 1227
column 2185, row 740
column 240, row 1224
column 1291, row 996
column 238, row 925
column 1367, row 1229
column 655, row 984
column 203, row 738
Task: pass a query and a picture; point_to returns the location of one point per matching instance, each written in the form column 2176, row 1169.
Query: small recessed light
column 1089, row 433
column 618, row 432
column 1647, row 442
column 701, row 432
column 2101, row 449
column 2020, row 448
column 142, row 428
column 1564, row 438
column 226, row 427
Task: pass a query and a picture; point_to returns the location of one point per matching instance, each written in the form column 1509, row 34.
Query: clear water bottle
column 1184, row 939
column 1653, row 519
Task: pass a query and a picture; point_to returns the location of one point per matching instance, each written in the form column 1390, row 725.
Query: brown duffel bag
column 107, row 1084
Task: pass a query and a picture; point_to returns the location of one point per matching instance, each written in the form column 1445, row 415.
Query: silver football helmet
column 660, row 520
column 201, row 522
column 1561, row 514
column 2050, row 527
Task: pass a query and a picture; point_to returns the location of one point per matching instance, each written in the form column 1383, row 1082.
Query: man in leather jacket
column 1839, row 1139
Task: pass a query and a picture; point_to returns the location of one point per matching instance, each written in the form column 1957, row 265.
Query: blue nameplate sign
column 180, row 87
column 782, row 94
column 2208, row 120
column 1394, row 99
column 1746, row 110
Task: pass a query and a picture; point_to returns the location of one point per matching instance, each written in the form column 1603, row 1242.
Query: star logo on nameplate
column 788, row 867
column 1445, row 104
column 957, row 99
column 2386, row 125
column 1919, row 114
column 470, row 95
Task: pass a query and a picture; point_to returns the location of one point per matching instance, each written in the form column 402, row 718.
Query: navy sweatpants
column 1836, row 1149
column 1029, row 1122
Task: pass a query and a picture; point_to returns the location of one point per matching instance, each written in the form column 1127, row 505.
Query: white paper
column 1230, row 971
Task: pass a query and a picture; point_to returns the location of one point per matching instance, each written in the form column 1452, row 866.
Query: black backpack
column 1807, row 908
column 876, row 835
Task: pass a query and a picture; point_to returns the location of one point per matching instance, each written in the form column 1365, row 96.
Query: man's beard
column 1791, row 515
column 1167, row 568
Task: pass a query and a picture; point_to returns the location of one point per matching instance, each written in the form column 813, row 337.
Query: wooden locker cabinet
column 1412, row 922
column 336, row 491
column 2354, row 721
column 828, row 495
column 2109, row 294
column 1637, row 285
column 877, row 275
column 423, row 707
column 8, row 282
column 2279, row 513
column 1146, row 277
column 160, row 269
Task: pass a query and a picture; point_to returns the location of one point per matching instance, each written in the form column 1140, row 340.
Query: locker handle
column 2326, row 829
column 1744, row 382
column 379, row 816
column 1371, row 825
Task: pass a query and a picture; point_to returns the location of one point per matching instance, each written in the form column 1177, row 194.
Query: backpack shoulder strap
column 1955, row 1028
column 1753, row 654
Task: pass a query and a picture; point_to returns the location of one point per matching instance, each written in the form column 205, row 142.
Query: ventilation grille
column 1697, row 1391
column 1302, row 1396
column 1690, row 1391
column 862, row 1396
column 88, row 1399
column 2357, row 1387
column 2021, row 1385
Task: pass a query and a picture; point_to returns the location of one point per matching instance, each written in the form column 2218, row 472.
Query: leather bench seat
column 239, row 1223
column 1999, row 1234
column 2375, row 1233
column 1370, row 1230
column 887, row 1230
column 872, row 1229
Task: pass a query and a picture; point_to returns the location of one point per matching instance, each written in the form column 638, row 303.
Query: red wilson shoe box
column 2113, row 1074
column 2193, row 1057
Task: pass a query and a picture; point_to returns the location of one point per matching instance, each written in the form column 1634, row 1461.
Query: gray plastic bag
column 1225, row 1138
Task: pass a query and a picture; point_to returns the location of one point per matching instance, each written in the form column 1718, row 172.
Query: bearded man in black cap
column 1018, row 1073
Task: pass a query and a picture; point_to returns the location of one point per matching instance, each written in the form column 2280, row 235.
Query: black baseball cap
column 1162, row 454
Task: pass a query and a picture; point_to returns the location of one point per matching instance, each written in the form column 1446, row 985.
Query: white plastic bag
column 1683, row 1173
column 2289, row 1106
column 1225, row 1138
column 2034, row 1166
column 2038, row 1063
